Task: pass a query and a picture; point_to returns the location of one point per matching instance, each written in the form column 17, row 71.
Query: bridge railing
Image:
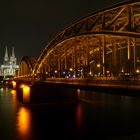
column 98, row 81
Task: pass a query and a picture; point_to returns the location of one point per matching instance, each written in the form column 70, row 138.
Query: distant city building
column 9, row 66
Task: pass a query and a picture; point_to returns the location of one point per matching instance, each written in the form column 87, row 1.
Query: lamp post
column 55, row 72
column 98, row 70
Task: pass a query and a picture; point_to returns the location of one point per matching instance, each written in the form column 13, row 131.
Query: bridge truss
column 104, row 43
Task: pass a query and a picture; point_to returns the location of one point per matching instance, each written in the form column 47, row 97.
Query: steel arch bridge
column 26, row 66
column 104, row 43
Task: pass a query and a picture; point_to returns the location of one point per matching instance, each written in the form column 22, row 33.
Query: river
column 97, row 116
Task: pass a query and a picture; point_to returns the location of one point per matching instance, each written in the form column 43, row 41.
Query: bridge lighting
column 98, row 65
column 26, row 94
column 22, row 86
column 64, row 72
column 13, row 92
column 74, row 76
column 71, row 69
column 55, row 71
column 90, row 73
column 107, row 71
column 137, row 71
column 14, row 84
column 122, row 70
column 91, row 61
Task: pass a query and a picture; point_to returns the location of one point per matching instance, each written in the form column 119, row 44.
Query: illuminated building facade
column 9, row 66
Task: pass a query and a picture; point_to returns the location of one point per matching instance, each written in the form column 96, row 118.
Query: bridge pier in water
column 45, row 93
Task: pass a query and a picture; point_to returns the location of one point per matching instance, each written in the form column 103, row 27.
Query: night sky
column 29, row 25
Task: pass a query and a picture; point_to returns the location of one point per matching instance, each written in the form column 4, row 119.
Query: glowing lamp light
column 90, row 73
column 107, row 71
column 13, row 92
column 98, row 65
column 26, row 94
column 64, row 72
column 137, row 71
column 74, row 76
column 22, row 86
column 122, row 70
column 14, row 84
column 71, row 69
column 55, row 71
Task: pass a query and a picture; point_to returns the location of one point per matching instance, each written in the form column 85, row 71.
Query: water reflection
column 79, row 116
column 13, row 92
column 24, row 122
column 3, row 90
column 13, row 100
column 78, row 92
column 96, row 115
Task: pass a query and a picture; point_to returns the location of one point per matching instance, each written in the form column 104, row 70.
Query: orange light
column 78, row 92
column 26, row 94
column 98, row 65
column 79, row 116
column 55, row 71
column 23, row 122
column 14, row 84
column 13, row 92
column 22, row 86
column 137, row 71
column 71, row 69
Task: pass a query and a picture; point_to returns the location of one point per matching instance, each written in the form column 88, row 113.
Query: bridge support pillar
column 41, row 92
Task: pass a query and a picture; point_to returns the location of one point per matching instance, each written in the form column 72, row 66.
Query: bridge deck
column 121, row 86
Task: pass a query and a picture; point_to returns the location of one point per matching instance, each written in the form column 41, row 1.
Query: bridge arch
column 107, row 42
column 26, row 66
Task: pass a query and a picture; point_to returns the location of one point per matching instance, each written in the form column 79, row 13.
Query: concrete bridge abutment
column 39, row 92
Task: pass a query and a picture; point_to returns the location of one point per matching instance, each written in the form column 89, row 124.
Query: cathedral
column 9, row 66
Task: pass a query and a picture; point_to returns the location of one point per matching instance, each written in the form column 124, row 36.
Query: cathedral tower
column 9, row 67
column 13, row 58
column 6, row 58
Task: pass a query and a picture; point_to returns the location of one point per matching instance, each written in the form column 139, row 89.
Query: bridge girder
column 26, row 66
column 103, row 37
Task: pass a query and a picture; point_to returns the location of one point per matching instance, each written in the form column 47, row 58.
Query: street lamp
column 55, row 73
column 137, row 71
column 98, row 67
column 71, row 72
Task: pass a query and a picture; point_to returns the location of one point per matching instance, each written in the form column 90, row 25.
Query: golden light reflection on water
column 79, row 112
column 14, row 99
column 24, row 122
column 78, row 92
column 79, row 116
column 13, row 92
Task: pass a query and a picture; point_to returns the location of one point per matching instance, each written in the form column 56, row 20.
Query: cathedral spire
column 9, row 68
column 6, row 58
